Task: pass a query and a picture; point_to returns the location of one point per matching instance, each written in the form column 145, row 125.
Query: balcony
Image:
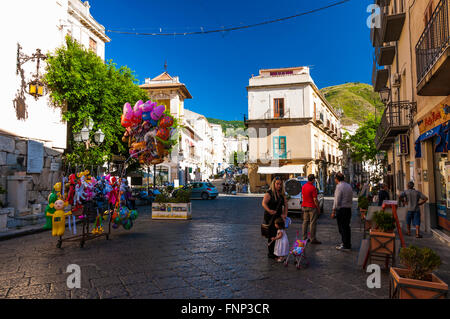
column 270, row 116
column 433, row 54
column 397, row 119
column 385, row 55
column 383, row 3
column 392, row 26
column 379, row 77
column 319, row 118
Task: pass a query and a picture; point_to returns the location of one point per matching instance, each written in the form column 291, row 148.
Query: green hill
column 235, row 125
column 355, row 99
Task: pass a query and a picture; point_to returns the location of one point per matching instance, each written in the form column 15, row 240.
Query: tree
column 84, row 86
column 361, row 145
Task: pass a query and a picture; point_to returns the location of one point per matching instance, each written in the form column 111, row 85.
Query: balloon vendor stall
column 102, row 199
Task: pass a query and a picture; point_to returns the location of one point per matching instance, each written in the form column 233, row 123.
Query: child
column 282, row 242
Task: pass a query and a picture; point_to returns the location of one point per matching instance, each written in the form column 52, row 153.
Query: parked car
column 203, row 190
column 293, row 189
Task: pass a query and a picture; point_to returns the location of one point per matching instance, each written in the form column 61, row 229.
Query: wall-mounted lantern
column 36, row 87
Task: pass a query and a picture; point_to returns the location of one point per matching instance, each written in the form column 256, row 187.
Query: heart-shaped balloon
column 158, row 112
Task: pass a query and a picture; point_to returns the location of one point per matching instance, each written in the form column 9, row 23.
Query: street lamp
column 385, row 95
column 99, row 136
column 83, row 135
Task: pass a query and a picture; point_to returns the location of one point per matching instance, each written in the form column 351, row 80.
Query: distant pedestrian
column 413, row 199
column 342, row 210
column 383, row 194
column 310, row 209
column 275, row 206
column 281, row 240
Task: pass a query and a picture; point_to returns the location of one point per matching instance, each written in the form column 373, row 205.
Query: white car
column 293, row 188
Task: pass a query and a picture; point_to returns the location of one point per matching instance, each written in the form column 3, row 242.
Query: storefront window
column 442, row 182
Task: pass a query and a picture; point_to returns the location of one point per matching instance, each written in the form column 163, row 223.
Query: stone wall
column 13, row 161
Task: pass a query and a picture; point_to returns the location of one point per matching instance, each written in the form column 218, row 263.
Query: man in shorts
column 413, row 199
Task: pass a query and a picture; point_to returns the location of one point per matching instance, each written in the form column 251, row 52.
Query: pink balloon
column 158, row 112
column 127, row 111
column 137, row 110
column 148, row 106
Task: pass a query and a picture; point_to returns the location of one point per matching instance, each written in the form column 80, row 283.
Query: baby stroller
column 298, row 252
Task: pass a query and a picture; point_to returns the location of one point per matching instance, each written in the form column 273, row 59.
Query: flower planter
column 177, row 211
column 401, row 287
column 381, row 242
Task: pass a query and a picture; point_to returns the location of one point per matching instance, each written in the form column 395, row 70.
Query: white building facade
column 40, row 25
column 200, row 149
column 32, row 133
column 292, row 128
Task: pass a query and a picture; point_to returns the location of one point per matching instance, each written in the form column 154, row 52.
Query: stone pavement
column 217, row 254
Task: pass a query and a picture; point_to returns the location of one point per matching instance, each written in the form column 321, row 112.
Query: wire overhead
column 232, row 28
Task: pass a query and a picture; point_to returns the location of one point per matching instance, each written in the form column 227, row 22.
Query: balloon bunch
column 125, row 217
column 148, row 131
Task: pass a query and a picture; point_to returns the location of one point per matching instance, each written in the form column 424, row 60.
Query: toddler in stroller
column 298, row 252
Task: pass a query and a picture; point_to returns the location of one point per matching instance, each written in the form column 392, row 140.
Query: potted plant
column 363, row 205
column 176, row 206
column 417, row 281
column 382, row 236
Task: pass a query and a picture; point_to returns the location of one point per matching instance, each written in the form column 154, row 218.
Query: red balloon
column 166, row 121
column 163, row 133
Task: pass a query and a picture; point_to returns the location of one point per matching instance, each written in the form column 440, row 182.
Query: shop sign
column 402, row 144
column 438, row 115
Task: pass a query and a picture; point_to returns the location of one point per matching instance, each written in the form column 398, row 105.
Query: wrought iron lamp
column 385, row 95
column 36, row 87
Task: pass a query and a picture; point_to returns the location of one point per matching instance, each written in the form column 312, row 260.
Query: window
column 279, row 147
column 92, row 45
column 278, row 107
column 428, row 13
column 281, row 73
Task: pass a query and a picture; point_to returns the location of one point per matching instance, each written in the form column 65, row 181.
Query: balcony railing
column 270, row 116
column 433, row 44
column 396, row 119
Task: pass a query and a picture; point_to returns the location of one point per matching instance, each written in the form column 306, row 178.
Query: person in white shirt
column 342, row 210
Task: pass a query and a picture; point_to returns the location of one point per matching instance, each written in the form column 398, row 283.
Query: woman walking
column 275, row 206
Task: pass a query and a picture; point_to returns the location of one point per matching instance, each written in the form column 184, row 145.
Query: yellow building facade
column 412, row 73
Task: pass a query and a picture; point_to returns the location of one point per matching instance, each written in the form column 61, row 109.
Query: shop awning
column 286, row 169
column 443, row 139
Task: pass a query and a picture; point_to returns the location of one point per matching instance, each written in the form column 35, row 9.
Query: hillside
column 235, row 125
column 356, row 99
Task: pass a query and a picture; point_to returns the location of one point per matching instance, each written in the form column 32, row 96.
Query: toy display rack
column 86, row 233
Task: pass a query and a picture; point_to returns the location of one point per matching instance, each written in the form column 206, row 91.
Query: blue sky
column 216, row 67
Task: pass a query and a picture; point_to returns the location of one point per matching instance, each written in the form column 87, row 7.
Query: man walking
column 310, row 208
column 342, row 210
column 413, row 199
column 383, row 194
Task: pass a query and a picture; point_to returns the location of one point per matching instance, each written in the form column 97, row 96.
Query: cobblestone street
column 218, row 254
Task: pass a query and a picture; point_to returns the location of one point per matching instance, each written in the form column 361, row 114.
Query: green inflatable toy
column 52, row 198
